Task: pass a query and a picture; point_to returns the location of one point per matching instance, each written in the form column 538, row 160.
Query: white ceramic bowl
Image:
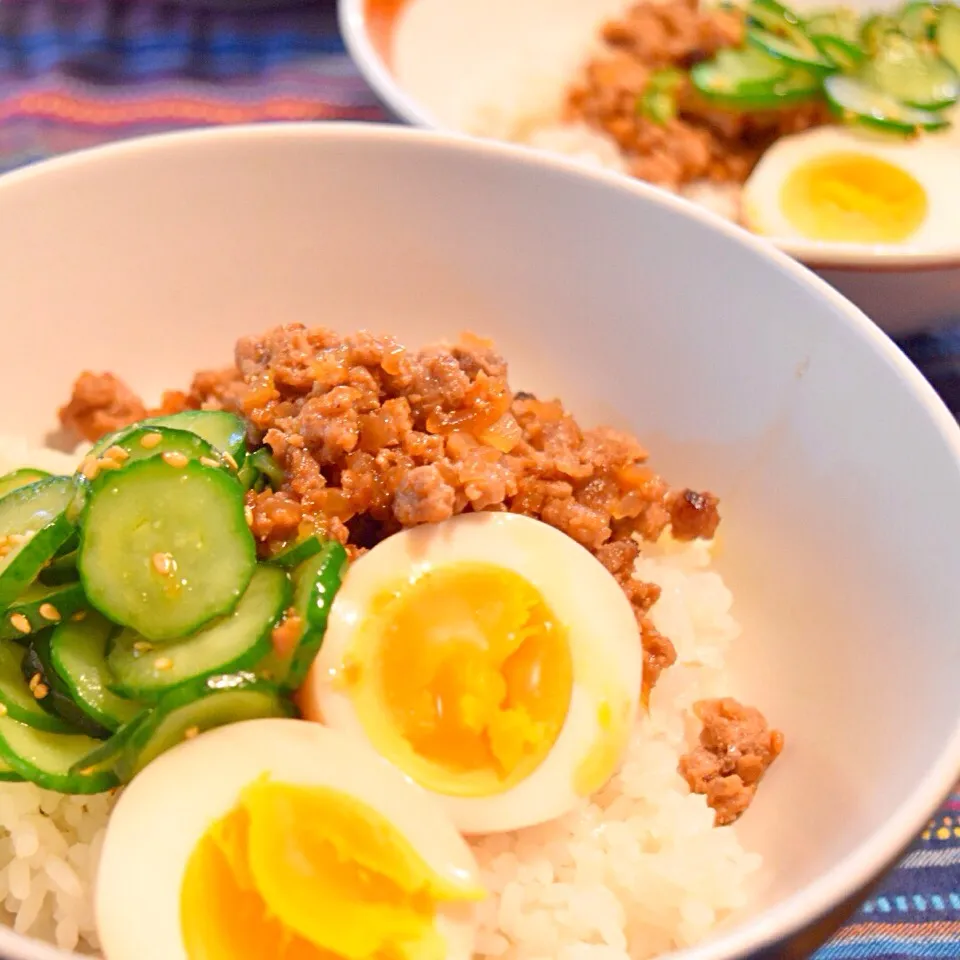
column 434, row 64
column 838, row 467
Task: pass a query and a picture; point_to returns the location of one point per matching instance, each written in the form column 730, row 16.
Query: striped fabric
column 74, row 73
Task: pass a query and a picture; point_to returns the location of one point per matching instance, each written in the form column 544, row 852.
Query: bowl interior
column 837, row 467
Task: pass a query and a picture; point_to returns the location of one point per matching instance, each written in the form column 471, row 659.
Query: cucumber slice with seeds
column 141, row 443
column 17, row 699
column 912, row 75
column 46, row 758
column 78, row 655
column 195, row 707
column 856, row 100
column 40, row 607
column 35, row 521
column 948, row 36
column 51, row 692
column 164, row 549
column 20, row 478
column 233, row 643
column 223, row 430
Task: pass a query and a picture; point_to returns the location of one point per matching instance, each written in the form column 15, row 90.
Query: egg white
column 931, row 161
column 601, row 630
column 165, row 811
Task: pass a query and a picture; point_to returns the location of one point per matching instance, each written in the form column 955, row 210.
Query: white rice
column 635, row 872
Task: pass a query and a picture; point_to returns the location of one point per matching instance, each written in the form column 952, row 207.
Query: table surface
column 75, row 73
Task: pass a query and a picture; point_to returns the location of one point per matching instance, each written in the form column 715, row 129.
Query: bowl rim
column 818, row 254
column 851, row 874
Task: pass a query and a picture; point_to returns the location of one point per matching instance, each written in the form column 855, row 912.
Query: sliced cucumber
column 793, row 47
column 38, row 670
column 223, row 430
column 8, row 774
column 845, row 56
column 749, row 79
column 315, row 584
column 189, row 710
column 296, row 553
column 141, row 443
column 40, row 607
column 60, row 570
column 46, row 758
column 856, row 100
column 913, row 75
column 107, row 756
column 35, row 521
column 948, row 36
column 842, row 23
column 78, row 655
column 20, row 478
column 16, row 697
column 165, row 549
column 235, row 642
column 918, row 20
column 875, row 30
column 267, row 465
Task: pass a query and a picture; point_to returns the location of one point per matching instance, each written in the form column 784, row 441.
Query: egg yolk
column 467, row 679
column 853, row 198
column 311, row 873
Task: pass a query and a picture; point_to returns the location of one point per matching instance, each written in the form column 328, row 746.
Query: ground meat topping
column 736, row 748
column 101, row 403
column 703, row 142
column 374, row 438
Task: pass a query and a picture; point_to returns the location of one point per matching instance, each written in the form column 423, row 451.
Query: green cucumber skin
column 127, row 604
column 20, row 478
column 224, row 431
column 174, row 714
column 316, row 583
column 67, row 599
column 165, row 681
column 59, row 700
column 18, row 699
column 170, row 441
column 83, row 645
column 297, row 553
column 13, row 733
column 53, row 522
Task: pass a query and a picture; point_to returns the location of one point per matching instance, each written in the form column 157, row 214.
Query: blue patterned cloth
column 74, row 73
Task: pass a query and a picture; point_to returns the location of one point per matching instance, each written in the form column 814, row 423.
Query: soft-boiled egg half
column 276, row 839
column 490, row 658
column 848, row 186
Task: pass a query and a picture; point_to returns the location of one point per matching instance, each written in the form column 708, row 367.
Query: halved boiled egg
column 850, row 186
column 275, row 839
column 491, row 658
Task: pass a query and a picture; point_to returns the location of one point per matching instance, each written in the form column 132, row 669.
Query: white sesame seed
column 175, row 458
column 19, row 622
column 149, row 440
column 49, row 612
column 162, row 663
column 208, row 462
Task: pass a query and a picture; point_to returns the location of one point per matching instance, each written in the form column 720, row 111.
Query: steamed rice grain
column 636, row 871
